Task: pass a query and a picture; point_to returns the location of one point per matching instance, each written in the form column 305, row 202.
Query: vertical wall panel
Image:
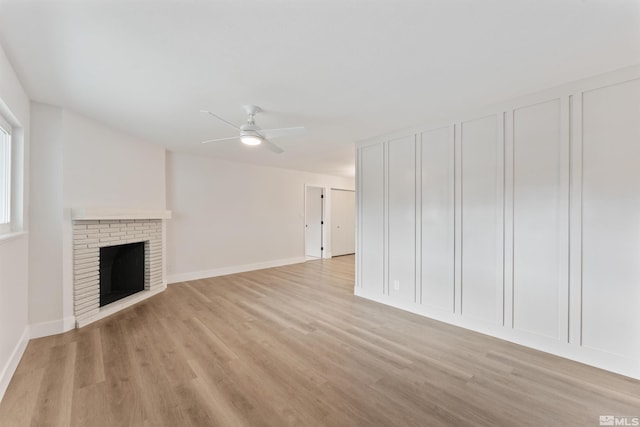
column 457, row 305
column 482, row 284
column 371, row 197
column 401, row 185
column 539, row 219
column 575, row 222
column 437, row 215
column 507, row 120
column 611, row 219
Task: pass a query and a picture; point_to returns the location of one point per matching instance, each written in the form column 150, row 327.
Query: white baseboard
column 600, row 359
column 10, row 367
column 58, row 326
column 196, row 275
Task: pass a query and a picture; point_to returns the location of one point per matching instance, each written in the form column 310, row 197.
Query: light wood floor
column 293, row 346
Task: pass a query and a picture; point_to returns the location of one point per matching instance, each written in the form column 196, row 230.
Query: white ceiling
column 345, row 69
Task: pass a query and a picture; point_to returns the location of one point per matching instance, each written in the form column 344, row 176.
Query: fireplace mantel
column 117, row 213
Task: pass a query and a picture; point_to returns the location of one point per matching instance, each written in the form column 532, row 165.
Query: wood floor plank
column 53, row 407
column 18, row 407
column 92, row 407
column 292, row 346
column 89, row 369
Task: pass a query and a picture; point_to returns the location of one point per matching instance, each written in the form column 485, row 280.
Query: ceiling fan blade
column 273, row 147
column 220, row 139
column 221, row 119
column 277, row 133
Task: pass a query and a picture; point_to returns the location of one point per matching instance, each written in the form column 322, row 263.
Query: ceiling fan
column 252, row 134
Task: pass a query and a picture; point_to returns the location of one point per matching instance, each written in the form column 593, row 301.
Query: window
column 5, row 176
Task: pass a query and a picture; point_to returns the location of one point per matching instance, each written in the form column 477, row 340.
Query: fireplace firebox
column 121, row 271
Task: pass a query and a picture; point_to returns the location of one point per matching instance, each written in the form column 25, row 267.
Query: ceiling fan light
column 250, row 139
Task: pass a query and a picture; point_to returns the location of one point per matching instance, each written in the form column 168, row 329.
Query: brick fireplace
column 95, row 229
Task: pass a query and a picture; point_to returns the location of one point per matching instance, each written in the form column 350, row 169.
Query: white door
column 313, row 222
column 343, row 222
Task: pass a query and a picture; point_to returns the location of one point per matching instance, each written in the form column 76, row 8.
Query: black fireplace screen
column 121, row 271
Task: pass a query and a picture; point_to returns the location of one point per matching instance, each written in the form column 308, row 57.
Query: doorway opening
column 343, row 222
column 314, row 222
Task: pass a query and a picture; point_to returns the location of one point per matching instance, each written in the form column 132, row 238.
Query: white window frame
column 5, row 176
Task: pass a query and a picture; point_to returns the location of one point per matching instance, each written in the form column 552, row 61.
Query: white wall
column 230, row 217
column 79, row 163
column 14, row 331
column 14, row 106
column 45, row 254
column 521, row 221
column 104, row 167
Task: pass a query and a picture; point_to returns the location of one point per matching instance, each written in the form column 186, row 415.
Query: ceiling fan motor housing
column 250, row 130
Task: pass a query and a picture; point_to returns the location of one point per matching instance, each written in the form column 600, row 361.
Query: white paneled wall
column 401, row 183
column 540, row 227
column 371, row 230
column 611, row 219
column 522, row 221
column 482, row 172
column 436, row 244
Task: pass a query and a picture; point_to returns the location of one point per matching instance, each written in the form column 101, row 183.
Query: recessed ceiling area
column 346, row 70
